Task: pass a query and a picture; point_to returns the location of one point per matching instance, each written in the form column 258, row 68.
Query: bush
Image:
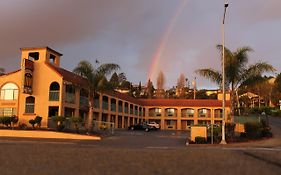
column 32, row 122
column 230, row 131
column 76, row 121
column 9, row 121
column 253, row 130
column 276, row 113
column 200, row 140
column 38, row 120
column 59, row 122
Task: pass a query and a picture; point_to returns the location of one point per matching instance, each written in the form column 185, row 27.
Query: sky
column 143, row 36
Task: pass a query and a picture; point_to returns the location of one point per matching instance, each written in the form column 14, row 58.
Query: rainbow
column 164, row 39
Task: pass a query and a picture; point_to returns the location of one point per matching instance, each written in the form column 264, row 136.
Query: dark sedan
column 140, row 126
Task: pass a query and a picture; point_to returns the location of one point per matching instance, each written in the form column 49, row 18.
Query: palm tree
column 96, row 81
column 237, row 71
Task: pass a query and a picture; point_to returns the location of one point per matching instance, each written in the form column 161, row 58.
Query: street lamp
column 223, row 77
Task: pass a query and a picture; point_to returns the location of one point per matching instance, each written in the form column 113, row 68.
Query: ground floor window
column 29, row 104
column 190, row 122
column 7, row 111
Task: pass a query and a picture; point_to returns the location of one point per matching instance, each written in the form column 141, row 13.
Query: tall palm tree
column 237, row 71
column 96, row 81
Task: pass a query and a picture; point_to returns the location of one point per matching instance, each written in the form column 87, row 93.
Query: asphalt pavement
column 139, row 152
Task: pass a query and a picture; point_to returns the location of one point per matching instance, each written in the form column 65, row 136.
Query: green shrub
column 230, row 131
column 7, row 121
column 253, row 130
column 58, row 119
column 32, row 122
column 59, row 122
column 200, row 140
column 38, row 120
column 276, row 113
column 76, row 121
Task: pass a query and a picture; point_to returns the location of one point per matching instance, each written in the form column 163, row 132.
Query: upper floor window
column 9, row 91
column 33, row 56
column 54, row 92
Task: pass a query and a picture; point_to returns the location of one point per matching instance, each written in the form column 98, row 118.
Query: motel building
column 42, row 88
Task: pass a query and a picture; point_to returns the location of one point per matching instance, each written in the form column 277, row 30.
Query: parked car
column 140, row 126
column 154, row 125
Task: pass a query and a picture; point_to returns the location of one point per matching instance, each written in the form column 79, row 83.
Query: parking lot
column 139, row 152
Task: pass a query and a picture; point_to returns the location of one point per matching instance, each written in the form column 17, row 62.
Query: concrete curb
column 46, row 134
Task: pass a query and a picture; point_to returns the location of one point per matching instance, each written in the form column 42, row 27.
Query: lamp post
column 223, row 77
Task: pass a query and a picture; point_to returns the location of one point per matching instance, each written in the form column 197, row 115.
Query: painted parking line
column 157, row 147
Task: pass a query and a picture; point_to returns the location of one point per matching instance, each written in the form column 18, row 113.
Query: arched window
column 9, row 91
column 29, row 104
column 54, row 92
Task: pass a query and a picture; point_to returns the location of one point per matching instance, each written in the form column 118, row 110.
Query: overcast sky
column 181, row 33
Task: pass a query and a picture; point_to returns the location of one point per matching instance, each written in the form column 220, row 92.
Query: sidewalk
column 46, row 134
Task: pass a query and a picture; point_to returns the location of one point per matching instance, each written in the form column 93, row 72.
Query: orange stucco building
column 41, row 87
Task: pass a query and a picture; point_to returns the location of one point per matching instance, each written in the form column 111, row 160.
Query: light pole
column 223, row 77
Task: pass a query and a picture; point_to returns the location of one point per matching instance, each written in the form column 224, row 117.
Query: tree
column 236, row 70
column 160, row 80
column 2, row 71
column 114, row 80
column 96, row 81
column 181, row 86
column 160, row 92
column 276, row 91
column 149, row 89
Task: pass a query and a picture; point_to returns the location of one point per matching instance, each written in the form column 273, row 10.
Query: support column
column 179, row 119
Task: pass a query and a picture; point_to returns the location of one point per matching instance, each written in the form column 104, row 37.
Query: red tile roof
column 122, row 96
column 69, row 76
column 169, row 102
column 184, row 102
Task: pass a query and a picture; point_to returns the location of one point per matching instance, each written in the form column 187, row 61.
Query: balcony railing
column 96, row 103
column 70, row 98
column 84, row 101
column 105, row 105
column 120, row 109
column 186, row 115
column 54, row 95
column 126, row 110
column 113, row 107
column 218, row 115
column 154, row 114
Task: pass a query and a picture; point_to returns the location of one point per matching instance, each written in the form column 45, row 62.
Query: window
column 9, row 91
column 158, row 111
column 54, row 92
column 7, row 111
column 188, row 112
column 33, row 56
column 170, row 112
column 52, row 58
column 29, row 104
column 204, row 113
